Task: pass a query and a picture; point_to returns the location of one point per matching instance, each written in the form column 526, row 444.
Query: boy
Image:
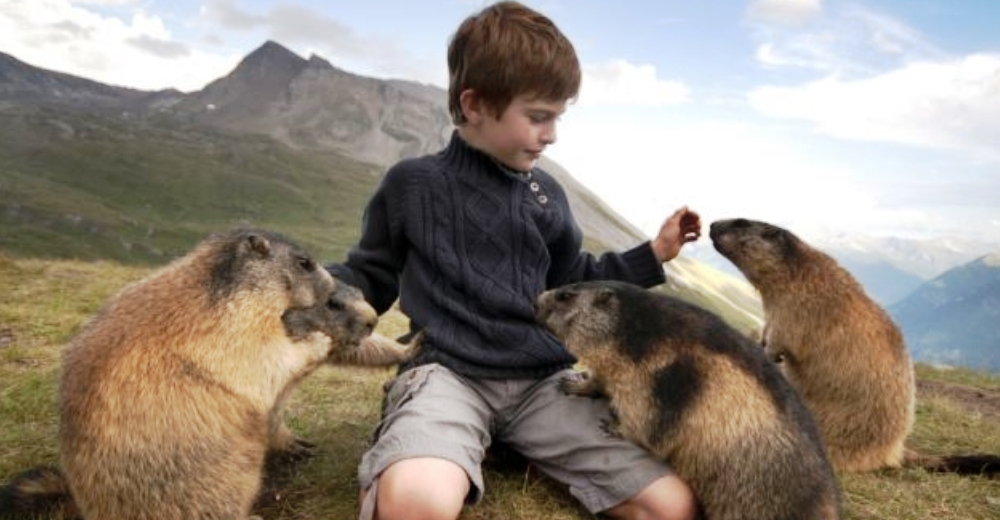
column 466, row 238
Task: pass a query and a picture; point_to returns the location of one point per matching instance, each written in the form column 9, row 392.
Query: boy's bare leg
column 666, row 498
column 425, row 488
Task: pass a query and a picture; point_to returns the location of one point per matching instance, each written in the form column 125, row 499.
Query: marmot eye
column 334, row 305
column 564, row 296
column 307, row 264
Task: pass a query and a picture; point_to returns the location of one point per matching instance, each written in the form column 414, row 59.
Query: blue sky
column 877, row 117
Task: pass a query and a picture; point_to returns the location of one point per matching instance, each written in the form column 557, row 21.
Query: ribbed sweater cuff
column 642, row 261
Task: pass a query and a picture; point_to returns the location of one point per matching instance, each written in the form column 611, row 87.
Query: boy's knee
column 667, row 498
column 424, row 488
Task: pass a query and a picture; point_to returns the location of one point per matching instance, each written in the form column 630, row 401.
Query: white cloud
column 950, row 104
column 137, row 52
column 788, row 12
column 720, row 169
column 226, row 14
column 106, row 2
column 619, row 82
column 853, row 40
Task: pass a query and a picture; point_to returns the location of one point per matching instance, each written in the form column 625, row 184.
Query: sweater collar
column 465, row 157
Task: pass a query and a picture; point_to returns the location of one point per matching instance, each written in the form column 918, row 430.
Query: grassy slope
column 45, row 302
column 90, row 188
column 75, row 186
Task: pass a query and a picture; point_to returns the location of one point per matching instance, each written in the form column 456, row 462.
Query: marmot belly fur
column 698, row 394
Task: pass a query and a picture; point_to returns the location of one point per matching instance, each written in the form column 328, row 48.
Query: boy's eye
column 541, row 118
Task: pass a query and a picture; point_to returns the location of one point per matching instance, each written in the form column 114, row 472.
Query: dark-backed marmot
column 171, row 395
column 835, row 345
column 697, row 393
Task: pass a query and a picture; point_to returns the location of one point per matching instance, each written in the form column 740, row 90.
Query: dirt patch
column 970, row 398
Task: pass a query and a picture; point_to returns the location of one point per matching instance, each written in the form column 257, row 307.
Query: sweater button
column 534, row 186
column 542, row 199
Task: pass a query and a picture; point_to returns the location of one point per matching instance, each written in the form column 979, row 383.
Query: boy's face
column 519, row 135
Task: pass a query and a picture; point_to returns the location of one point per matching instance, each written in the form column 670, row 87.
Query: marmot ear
column 258, row 244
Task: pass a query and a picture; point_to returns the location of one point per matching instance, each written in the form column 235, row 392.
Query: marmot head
column 344, row 317
column 582, row 316
column 597, row 315
column 758, row 249
column 263, row 261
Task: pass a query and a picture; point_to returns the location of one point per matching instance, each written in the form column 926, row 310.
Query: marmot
column 700, row 395
column 170, row 396
column 835, row 345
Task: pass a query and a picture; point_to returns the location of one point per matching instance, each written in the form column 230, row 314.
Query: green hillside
column 86, row 187
column 141, row 191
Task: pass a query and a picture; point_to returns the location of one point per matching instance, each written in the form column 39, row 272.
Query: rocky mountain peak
column 318, row 63
column 272, row 57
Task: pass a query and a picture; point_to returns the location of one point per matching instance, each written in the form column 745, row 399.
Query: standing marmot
column 170, row 396
column 694, row 391
column 839, row 348
column 836, row 346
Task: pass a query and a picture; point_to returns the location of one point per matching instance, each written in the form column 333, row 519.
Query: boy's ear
column 472, row 106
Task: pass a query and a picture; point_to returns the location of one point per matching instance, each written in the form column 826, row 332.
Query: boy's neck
column 471, row 138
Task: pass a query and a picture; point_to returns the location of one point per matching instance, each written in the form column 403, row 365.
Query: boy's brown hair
column 507, row 50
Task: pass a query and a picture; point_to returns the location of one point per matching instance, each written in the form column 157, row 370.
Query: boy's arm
column 641, row 265
column 374, row 263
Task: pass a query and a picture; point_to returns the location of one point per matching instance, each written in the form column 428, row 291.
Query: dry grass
column 44, row 302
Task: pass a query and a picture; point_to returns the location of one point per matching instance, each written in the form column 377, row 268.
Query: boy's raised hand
column 680, row 228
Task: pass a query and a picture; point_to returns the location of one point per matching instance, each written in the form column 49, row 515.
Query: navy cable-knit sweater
column 466, row 246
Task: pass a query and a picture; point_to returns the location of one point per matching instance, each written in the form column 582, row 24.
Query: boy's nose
column 549, row 134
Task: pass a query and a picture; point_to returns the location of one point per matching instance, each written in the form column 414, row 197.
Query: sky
column 849, row 117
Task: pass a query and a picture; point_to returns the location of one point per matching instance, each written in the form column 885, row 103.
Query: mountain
column 25, row 85
column 955, row 318
column 309, row 103
column 890, row 268
column 883, row 281
column 92, row 171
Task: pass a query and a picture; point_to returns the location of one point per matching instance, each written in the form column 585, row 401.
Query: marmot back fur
column 695, row 392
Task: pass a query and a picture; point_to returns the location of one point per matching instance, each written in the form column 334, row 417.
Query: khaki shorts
column 432, row 412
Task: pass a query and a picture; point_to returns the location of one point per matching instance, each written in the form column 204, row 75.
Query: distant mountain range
column 93, row 171
column 891, row 268
column 955, row 318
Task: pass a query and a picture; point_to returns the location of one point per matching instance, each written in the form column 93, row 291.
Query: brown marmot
column 838, row 347
column 835, row 345
column 170, row 396
column 697, row 393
